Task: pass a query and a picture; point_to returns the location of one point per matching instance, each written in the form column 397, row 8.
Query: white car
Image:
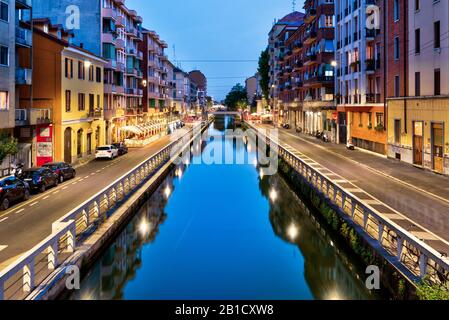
column 109, row 152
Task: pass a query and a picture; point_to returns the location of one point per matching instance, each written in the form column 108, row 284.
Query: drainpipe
column 405, row 64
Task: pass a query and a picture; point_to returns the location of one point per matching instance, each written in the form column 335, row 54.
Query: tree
column 264, row 72
column 236, row 98
column 8, row 146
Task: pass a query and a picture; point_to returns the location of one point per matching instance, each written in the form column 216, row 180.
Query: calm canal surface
column 212, row 232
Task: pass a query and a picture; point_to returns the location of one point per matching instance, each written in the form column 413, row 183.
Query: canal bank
column 408, row 265
column 82, row 234
column 216, row 232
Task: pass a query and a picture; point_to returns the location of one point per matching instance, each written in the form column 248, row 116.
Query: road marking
column 4, row 219
column 19, row 211
column 98, row 171
column 56, row 192
column 374, row 170
column 3, row 247
column 46, row 197
column 34, row 203
column 64, row 188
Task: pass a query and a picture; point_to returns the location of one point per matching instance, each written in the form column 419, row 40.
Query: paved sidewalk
column 416, row 199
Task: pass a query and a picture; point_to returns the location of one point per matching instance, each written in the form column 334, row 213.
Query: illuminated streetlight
column 87, row 64
column 167, row 191
column 334, row 63
column 144, row 227
column 292, row 232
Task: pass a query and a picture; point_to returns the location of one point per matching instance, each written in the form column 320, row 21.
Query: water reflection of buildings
column 119, row 264
column 328, row 272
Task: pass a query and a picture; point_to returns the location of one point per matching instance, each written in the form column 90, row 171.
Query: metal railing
column 19, row 279
column 414, row 255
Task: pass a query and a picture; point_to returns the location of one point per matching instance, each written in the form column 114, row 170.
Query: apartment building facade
column 15, row 73
column 360, row 85
column 181, row 92
column 112, row 31
column 279, row 33
column 309, row 70
column 418, row 121
column 155, row 73
column 67, row 97
column 201, row 81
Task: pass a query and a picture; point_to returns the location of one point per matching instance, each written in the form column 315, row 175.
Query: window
column 68, row 100
column 4, row 103
column 98, row 102
column 4, row 56
column 417, row 84
column 417, row 5
column 81, row 71
column 3, row 11
column 417, row 41
column 437, row 82
column 91, row 102
column 397, row 131
column 81, row 102
column 91, row 73
column 396, row 48
column 396, row 10
column 68, row 68
column 380, row 119
column 98, row 74
column 436, row 34
column 396, row 86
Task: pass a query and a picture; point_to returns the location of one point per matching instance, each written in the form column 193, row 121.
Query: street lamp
column 334, row 63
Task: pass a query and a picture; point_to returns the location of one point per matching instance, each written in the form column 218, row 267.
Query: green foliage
column 429, row 291
column 264, row 72
column 8, row 146
column 236, row 97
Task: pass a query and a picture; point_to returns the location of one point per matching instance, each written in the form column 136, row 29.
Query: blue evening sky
column 214, row 30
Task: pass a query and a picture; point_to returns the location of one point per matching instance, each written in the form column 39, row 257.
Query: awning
column 132, row 129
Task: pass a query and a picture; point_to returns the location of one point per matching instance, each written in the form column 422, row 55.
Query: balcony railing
column 24, row 76
column 24, row 37
column 32, row 116
column 95, row 114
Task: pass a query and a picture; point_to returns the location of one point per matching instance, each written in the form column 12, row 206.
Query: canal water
column 217, row 232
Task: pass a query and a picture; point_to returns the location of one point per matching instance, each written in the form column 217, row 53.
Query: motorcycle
column 325, row 138
column 319, row 134
column 17, row 169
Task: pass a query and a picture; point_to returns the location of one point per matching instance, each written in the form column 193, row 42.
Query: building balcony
column 120, row 22
column 297, row 46
column 370, row 66
column 23, row 4
column 108, row 37
column 370, row 34
column 24, row 76
column 32, row 117
column 373, row 98
column 109, row 13
column 310, row 15
column 109, row 114
column 298, row 64
column 310, row 59
column 120, row 66
column 95, row 114
column 153, row 79
column 111, row 64
column 24, row 37
column 120, row 44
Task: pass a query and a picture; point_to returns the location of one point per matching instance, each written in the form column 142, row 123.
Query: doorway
column 418, row 137
column 437, row 147
column 68, row 145
column 342, row 126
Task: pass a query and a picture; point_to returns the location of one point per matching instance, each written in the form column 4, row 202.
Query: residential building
column 15, row 71
column 168, row 81
column 201, row 81
column 193, row 100
column 181, row 92
column 155, row 74
column 112, row 31
column 308, row 71
column 418, row 121
column 279, row 33
column 360, row 85
column 67, row 97
column 251, row 85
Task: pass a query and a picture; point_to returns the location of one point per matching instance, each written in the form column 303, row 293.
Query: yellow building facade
column 79, row 124
column 418, row 132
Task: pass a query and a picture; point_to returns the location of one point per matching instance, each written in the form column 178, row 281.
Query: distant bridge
column 221, row 113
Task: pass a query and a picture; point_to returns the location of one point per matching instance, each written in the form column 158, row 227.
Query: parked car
column 12, row 190
column 40, row 179
column 64, row 170
column 108, row 152
column 122, row 148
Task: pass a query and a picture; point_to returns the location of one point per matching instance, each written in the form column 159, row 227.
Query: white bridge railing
column 420, row 259
column 19, row 279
